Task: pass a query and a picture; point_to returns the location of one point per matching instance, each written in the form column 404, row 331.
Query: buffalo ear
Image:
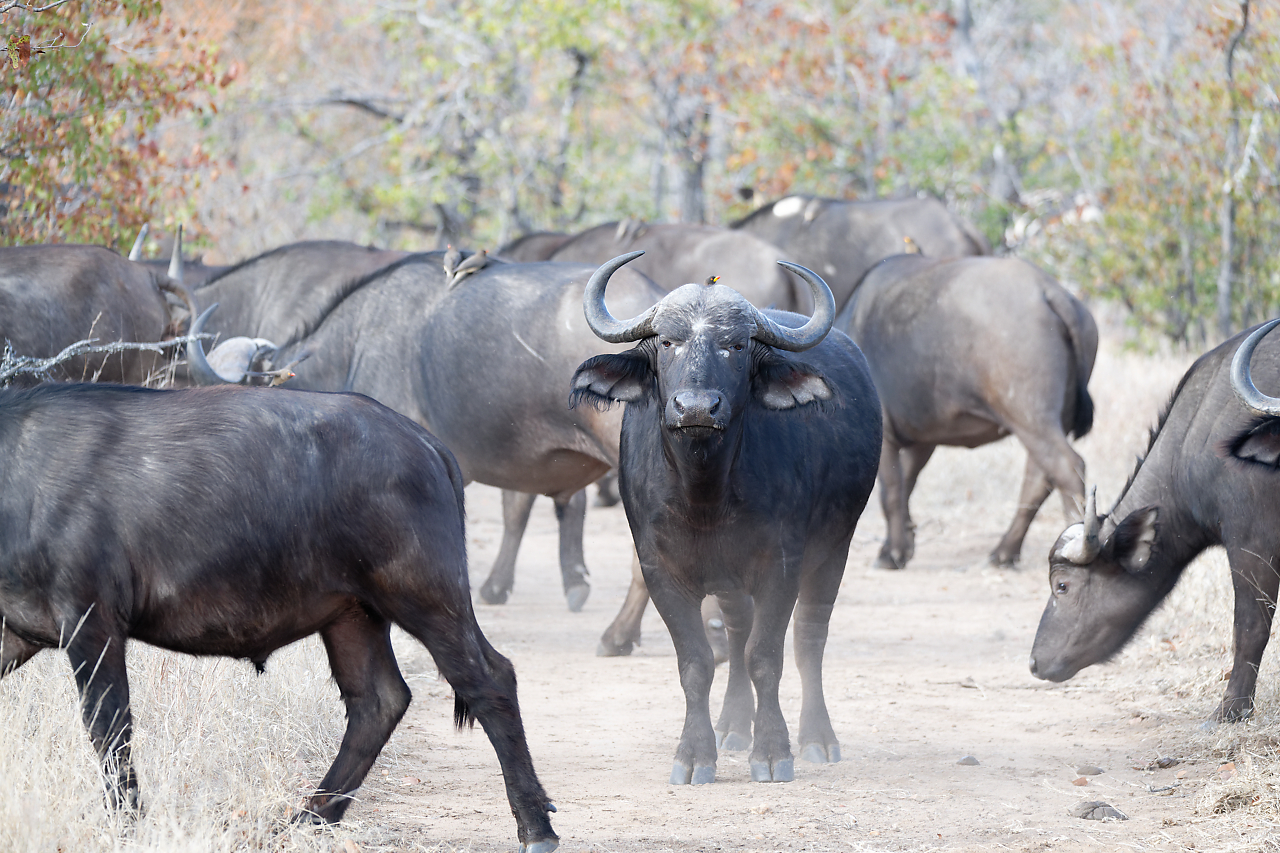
column 780, row 383
column 1134, row 537
column 602, row 380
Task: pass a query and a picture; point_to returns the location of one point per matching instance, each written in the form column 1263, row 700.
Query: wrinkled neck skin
column 703, row 467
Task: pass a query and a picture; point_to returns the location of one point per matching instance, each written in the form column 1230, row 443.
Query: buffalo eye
column 1061, row 587
column 737, row 347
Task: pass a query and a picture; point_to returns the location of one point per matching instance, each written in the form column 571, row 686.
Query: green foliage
column 80, row 98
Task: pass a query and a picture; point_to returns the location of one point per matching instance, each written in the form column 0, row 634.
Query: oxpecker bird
column 451, row 258
column 475, row 263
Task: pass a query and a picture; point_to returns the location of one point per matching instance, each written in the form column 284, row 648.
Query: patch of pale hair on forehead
column 694, row 306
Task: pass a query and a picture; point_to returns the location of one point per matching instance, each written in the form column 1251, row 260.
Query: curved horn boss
column 1242, row 381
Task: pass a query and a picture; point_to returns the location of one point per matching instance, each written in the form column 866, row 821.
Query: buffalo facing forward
column 233, row 522
column 743, row 470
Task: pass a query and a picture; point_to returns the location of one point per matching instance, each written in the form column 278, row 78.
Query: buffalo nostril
column 679, row 406
column 715, row 404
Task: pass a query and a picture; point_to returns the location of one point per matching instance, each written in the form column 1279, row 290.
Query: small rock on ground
column 968, row 761
column 1098, row 810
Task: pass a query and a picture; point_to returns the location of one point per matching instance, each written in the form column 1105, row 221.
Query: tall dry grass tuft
column 225, row 756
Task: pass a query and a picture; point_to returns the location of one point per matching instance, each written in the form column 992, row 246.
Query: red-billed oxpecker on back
column 1210, row 477
column 229, row 521
column 744, row 468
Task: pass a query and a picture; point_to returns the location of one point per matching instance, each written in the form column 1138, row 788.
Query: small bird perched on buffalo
column 912, row 247
column 711, row 279
column 472, row 264
column 451, row 258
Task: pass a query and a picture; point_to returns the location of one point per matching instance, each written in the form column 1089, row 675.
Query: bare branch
column 12, row 365
column 18, row 4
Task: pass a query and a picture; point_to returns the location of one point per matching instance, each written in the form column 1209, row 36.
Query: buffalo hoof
column 493, row 595
column 886, row 560
column 1003, row 559
column 701, row 774
column 781, row 770
column 732, row 741
column 1232, row 711
column 817, row 753
column 576, row 596
column 546, row 845
column 610, row 649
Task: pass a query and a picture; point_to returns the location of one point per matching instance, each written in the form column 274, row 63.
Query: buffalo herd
column 770, row 374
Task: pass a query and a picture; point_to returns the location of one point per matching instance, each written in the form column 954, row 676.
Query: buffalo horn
column 135, row 254
column 198, row 366
column 175, row 262
column 812, row 332
column 604, row 324
column 1242, row 382
column 1085, row 549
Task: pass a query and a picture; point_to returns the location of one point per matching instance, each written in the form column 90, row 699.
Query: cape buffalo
column 1208, row 478
column 233, row 522
column 964, row 352
column 53, row 296
column 677, row 253
column 844, row 239
column 743, row 472
column 485, row 366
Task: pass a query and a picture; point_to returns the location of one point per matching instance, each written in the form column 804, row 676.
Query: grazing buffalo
column 964, row 352
column 52, row 296
column 233, row 522
column 744, row 470
column 485, row 366
column 1209, row 478
column 844, row 239
column 679, row 253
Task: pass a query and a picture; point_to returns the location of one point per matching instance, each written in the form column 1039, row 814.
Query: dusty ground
column 924, row 666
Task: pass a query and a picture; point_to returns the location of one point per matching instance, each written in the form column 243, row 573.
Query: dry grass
column 224, row 755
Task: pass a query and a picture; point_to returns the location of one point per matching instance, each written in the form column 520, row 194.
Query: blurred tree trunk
column 1227, row 214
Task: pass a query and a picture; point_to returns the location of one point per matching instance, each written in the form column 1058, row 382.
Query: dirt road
column 923, row 668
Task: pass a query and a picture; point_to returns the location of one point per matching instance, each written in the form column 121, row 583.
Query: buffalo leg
column 484, row 686
column 572, row 515
column 733, row 729
column 1035, row 489
column 900, row 467
column 1256, row 583
column 818, row 591
column 624, row 633
column 1048, row 448
column 97, row 658
column 607, row 489
column 516, row 507
column 364, row 668
column 14, row 651
column 695, row 761
column 771, row 759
